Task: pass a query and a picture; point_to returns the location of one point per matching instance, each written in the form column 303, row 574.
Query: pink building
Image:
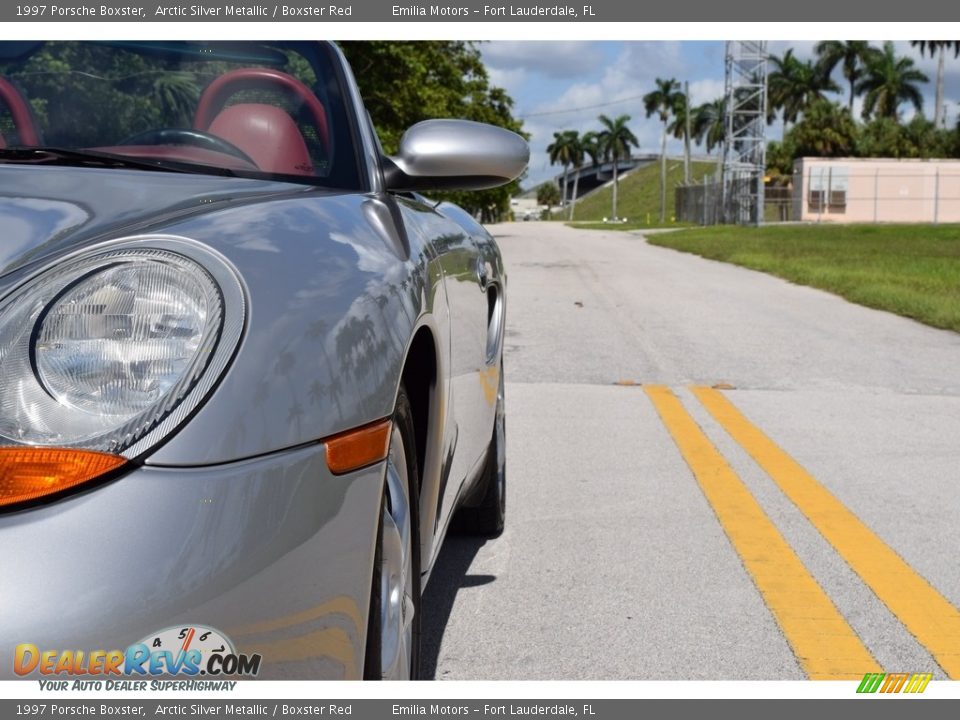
column 866, row 190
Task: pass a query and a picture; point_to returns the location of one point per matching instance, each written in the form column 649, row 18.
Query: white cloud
column 561, row 59
column 704, row 91
column 802, row 49
column 618, row 90
column 511, row 79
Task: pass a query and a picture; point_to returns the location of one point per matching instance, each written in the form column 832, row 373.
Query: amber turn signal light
column 358, row 448
column 31, row 473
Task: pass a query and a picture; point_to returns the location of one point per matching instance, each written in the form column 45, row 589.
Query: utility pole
column 686, row 134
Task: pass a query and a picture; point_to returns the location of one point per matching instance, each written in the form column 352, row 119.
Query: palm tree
column 709, row 123
column 682, row 129
column 614, row 142
column 938, row 48
column 852, row 55
column 590, row 142
column 888, row 82
column 577, row 156
column 793, row 86
column 589, row 147
column 663, row 102
column 177, row 95
column 562, row 151
column 781, row 83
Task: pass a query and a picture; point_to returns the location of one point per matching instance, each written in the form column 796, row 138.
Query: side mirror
column 456, row 155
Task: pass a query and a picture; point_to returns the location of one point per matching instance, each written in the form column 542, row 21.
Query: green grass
column 911, row 270
column 639, row 196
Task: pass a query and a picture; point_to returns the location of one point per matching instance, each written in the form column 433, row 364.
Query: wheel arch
column 419, row 376
column 422, row 375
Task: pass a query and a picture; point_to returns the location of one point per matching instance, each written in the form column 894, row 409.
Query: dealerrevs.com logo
column 193, row 650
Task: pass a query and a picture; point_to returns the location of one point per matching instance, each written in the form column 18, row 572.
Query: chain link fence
column 712, row 202
column 881, row 191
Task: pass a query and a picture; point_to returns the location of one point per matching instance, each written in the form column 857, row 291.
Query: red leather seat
column 267, row 134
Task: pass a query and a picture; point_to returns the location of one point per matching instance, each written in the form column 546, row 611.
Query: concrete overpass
column 595, row 176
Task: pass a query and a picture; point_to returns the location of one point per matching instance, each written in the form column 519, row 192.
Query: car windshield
column 271, row 110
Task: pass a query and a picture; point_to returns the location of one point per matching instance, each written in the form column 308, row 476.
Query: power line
column 578, row 109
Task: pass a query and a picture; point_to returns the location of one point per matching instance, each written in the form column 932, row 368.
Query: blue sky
column 564, row 85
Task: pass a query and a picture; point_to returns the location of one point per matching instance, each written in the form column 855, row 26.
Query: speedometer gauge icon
column 181, row 639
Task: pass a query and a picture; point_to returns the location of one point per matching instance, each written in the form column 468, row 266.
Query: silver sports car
column 248, row 375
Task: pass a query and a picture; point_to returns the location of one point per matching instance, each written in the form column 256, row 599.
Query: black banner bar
column 822, row 11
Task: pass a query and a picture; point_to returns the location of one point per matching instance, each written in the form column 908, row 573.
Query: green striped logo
column 894, row 682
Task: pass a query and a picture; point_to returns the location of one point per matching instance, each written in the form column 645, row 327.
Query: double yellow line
column 825, row 644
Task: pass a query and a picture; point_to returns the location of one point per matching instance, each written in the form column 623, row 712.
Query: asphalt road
column 713, row 474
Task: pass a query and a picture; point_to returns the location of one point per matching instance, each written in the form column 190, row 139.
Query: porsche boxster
column 249, row 375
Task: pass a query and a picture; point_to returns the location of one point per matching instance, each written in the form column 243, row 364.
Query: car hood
column 46, row 210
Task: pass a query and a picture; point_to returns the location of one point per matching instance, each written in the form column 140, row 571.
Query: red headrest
column 20, row 111
column 267, row 134
column 218, row 92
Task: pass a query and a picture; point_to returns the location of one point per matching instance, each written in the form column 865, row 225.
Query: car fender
column 326, row 333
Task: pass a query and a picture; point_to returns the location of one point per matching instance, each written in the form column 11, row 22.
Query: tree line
column 404, row 82
column 803, row 94
column 611, row 143
column 815, row 124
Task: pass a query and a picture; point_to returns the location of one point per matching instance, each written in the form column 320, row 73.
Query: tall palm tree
column 793, row 86
column 614, row 142
column 888, row 82
column 589, row 147
column 682, row 129
column 938, row 48
column 709, row 123
column 851, row 55
column 577, row 155
column 663, row 102
column 562, row 151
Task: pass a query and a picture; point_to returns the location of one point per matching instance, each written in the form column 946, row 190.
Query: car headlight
column 102, row 350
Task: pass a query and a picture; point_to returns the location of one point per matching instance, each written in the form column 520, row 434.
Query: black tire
column 373, row 662
column 488, row 517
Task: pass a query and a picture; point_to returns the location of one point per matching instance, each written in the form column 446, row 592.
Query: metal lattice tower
column 744, row 147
